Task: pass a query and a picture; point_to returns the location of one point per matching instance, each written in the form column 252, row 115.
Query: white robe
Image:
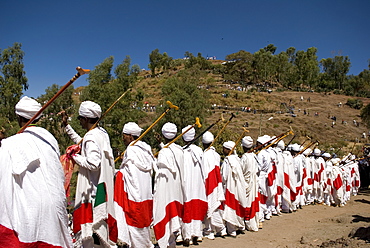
column 234, row 182
column 133, row 195
column 250, row 168
column 168, row 194
column 32, row 202
column 214, row 190
column 94, row 206
column 195, row 200
column 289, row 189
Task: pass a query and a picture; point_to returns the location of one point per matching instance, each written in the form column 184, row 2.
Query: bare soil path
column 312, row 226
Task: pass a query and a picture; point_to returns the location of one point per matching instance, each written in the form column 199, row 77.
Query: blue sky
column 58, row 36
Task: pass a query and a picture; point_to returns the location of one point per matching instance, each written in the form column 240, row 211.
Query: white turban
column 27, row 107
column 132, row 128
column 289, row 148
column 89, row 109
column 316, row 152
column 207, row 137
column 296, row 147
column 307, row 152
column 169, row 130
column 247, row 142
column 281, row 144
column 326, row 155
column 263, row 139
column 229, row 144
column 189, row 135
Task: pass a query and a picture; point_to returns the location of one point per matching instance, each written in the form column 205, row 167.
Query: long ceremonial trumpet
column 238, row 141
column 307, row 139
column 222, row 129
column 200, row 135
column 277, row 140
column 79, row 73
column 308, row 146
column 170, row 106
column 197, row 123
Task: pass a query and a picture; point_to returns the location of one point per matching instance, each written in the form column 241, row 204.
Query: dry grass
column 319, row 128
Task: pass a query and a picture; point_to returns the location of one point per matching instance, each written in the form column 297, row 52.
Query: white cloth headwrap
column 316, row 152
column 326, row 155
column 307, row 152
column 208, row 137
column 132, row 128
column 296, row 147
column 89, row 109
column 229, row 144
column 281, row 144
column 169, row 130
column 27, row 107
column 189, row 135
column 263, row 139
column 247, row 142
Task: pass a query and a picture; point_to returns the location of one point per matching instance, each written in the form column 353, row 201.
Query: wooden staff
column 79, row 73
column 222, row 129
column 170, row 106
column 197, row 123
column 238, row 141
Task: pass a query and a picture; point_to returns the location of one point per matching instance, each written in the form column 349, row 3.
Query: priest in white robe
column 133, row 196
column 32, row 203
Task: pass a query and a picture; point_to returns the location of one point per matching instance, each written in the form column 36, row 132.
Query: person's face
column 127, row 139
column 225, row 151
column 83, row 121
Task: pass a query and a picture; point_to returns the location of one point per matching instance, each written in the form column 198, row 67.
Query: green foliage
column 158, row 61
column 105, row 89
column 239, row 67
column 199, row 61
column 51, row 120
column 12, row 80
column 183, row 92
column 335, row 69
column 355, row 103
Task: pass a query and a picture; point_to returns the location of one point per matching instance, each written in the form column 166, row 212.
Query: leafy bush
column 355, row 103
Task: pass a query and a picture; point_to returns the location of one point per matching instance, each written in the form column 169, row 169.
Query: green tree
column 238, row 67
column 283, row 67
column 307, row 67
column 105, row 89
column 155, row 60
column 336, row 69
column 263, row 65
column 12, row 79
column 166, row 61
column 50, row 119
column 192, row 101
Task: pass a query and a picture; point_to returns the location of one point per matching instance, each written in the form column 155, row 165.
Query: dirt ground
column 312, row 226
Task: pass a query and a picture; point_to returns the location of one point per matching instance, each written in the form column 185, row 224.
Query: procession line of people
column 182, row 195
